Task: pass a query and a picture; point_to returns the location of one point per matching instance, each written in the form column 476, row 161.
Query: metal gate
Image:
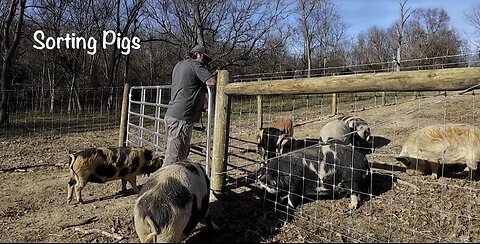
column 145, row 120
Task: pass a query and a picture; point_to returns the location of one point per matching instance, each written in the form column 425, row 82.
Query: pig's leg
column 71, row 184
column 133, row 183
column 124, row 185
column 78, row 188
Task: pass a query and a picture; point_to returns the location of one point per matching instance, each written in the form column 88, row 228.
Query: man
column 190, row 78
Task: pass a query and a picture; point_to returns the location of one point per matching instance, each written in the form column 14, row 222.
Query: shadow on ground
column 379, row 141
column 119, row 194
column 241, row 219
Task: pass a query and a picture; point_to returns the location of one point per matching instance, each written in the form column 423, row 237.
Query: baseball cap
column 201, row 49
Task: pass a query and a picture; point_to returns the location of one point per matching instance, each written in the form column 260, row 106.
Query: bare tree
column 305, row 14
column 234, row 32
column 63, row 66
column 473, row 17
column 241, row 34
column 11, row 29
column 429, row 35
column 373, row 48
column 79, row 20
column 399, row 27
column 323, row 32
column 120, row 16
column 48, row 16
column 321, row 29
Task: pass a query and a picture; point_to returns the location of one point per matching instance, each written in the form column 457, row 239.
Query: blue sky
column 360, row 15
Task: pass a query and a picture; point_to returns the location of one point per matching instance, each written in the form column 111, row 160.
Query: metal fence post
column 209, row 129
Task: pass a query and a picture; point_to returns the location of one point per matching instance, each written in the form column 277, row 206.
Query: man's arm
column 212, row 80
column 204, row 75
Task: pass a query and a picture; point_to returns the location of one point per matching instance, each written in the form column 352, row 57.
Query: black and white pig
column 326, row 170
column 100, row 165
column 359, row 126
column 267, row 141
column 287, row 143
column 172, row 202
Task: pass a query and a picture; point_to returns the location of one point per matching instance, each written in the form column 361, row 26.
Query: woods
column 245, row 37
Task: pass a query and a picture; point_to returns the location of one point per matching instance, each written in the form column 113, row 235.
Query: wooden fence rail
column 422, row 80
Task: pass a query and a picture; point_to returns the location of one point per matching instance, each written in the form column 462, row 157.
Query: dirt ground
column 34, row 175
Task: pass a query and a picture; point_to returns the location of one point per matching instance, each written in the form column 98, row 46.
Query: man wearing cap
column 190, row 78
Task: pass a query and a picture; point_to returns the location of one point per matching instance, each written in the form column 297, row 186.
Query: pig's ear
column 71, row 155
column 159, row 160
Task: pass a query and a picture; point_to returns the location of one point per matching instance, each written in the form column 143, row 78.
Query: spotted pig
column 172, row 202
column 100, row 165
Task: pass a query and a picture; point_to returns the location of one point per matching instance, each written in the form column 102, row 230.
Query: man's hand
column 211, row 81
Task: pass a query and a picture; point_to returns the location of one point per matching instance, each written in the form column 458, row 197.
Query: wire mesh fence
column 399, row 205
column 62, row 111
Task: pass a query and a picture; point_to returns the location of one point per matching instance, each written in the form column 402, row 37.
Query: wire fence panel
column 62, row 111
column 400, row 205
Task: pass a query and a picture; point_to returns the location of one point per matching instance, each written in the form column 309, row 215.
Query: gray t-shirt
column 188, row 90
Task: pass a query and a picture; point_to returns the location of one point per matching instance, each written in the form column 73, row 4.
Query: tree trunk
column 9, row 48
column 113, row 76
column 51, row 83
column 78, row 102
column 198, row 23
column 4, row 93
column 70, row 94
column 72, row 87
column 4, row 120
column 307, row 51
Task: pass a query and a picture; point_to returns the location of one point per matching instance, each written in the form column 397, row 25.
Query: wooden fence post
column 122, row 135
column 334, row 103
column 219, row 160
column 259, row 112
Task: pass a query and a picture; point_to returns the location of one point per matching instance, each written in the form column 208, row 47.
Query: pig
column 267, row 139
column 100, row 165
column 326, row 170
column 454, row 146
column 285, row 125
column 338, row 130
column 172, row 202
column 359, row 126
column 287, row 144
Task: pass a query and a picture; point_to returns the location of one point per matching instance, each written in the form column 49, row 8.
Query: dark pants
column 179, row 135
